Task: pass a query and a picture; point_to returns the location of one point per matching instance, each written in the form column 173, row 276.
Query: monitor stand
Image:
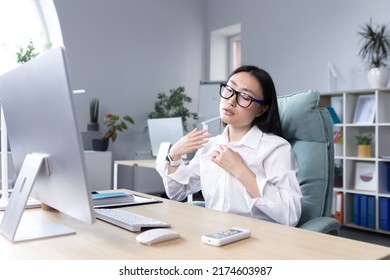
column 32, row 166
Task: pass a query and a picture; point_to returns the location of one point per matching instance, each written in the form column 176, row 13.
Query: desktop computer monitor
column 45, row 144
column 164, row 130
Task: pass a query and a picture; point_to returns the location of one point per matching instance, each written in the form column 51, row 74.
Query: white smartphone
column 226, row 236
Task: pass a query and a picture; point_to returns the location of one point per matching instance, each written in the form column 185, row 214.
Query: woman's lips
column 228, row 112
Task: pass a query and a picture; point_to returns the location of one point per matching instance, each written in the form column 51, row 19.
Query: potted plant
column 173, row 105
column 112, row 124
column 375, row 49
column 24, row 55
column 93, row 115
column 364, row 145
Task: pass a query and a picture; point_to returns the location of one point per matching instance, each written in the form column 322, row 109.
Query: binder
column 384, row 213
column 371, row 217
column 363, row 211
column 356, row 209
column 333, row 114
column 388, row 176
column 339, row 207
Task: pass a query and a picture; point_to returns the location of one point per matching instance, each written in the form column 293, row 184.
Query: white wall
column 294, row 40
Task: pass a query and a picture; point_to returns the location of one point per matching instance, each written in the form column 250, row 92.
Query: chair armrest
column 323, row 224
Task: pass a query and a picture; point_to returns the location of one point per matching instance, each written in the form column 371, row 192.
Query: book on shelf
column 356, row 209
column 339, row 207
column 371, row 217
column 363, row 211
column 384, row 213
column 334, row 116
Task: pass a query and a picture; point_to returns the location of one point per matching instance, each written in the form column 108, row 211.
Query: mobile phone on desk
column 226, row 236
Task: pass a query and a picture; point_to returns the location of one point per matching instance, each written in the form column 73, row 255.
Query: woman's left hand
column 227, row 159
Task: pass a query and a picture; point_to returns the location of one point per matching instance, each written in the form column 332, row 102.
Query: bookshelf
column 362, row 194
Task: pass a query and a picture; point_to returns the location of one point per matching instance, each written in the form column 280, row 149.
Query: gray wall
column 125, row 51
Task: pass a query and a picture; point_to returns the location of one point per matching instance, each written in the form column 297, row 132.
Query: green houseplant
column 363, row 142
column 374, row 51
column 24, row 55
column 112, row 124
column 93, row 115
column 173, row 105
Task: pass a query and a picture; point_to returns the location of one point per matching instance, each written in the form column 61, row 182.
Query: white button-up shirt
column 269, row 156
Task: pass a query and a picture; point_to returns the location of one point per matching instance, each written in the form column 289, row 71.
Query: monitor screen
column 164, row 130
column 37, row 100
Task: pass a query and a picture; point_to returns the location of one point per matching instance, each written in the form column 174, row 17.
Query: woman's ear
column 262, row 110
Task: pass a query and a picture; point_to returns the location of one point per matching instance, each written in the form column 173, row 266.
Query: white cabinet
column 362, row 196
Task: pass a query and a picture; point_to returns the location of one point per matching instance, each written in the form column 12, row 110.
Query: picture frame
column 365, row 176
column 365, row 109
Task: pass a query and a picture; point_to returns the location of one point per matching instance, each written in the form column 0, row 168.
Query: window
column 225, row 51
column 22, row 21
column 234, row 52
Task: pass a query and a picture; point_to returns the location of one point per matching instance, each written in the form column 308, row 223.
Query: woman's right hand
column 192, row 141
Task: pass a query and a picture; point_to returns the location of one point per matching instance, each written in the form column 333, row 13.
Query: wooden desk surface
column 150, row 163
column 104, row 241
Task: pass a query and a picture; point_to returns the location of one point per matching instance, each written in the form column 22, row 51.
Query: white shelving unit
column 345, row 104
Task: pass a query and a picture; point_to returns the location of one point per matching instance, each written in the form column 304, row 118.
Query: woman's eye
column 245, row 96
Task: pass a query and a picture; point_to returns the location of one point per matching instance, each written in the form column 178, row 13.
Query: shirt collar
column 251, row 139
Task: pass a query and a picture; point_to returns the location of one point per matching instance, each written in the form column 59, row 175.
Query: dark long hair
column 269, row 121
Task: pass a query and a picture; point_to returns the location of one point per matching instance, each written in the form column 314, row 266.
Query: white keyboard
column 128, row 220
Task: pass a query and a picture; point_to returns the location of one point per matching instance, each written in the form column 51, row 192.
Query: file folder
column 371, row 217
column 339, row 207
column 356, row 209
column 363, row 211
column 384, row 212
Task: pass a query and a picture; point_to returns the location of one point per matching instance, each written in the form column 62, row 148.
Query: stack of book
column 111, row 199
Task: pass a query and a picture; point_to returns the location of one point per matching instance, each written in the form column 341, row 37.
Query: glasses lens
column 243, row 100
column 225, row 91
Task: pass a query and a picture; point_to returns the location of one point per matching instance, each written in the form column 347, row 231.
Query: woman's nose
column 232, row 101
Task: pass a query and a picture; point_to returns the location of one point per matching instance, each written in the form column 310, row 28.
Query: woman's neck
column 236, row 133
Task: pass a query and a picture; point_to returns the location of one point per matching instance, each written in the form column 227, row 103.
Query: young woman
column 249, row 169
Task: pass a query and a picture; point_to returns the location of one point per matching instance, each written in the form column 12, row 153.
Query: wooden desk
column 104, row 241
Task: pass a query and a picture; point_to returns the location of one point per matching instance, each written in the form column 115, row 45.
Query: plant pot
column 364, row 151
column 100, row 145
column 93, row 127
column 338, row 182
column 378, row 77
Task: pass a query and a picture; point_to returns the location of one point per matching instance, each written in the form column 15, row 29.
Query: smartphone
column 226, row 236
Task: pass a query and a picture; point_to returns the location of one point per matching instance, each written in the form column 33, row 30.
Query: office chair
column 309, row 131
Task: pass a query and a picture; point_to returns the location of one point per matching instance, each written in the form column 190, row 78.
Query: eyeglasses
column 242, row 99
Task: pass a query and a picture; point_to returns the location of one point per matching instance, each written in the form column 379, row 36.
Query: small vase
column 93, row 127
column 378, row 77
column 100, row 145
column 364, row 151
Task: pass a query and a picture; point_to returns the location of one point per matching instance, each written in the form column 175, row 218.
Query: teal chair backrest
column 309, row 131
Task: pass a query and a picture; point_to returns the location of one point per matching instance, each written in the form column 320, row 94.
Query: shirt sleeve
column 281, row 196
column 183, row 182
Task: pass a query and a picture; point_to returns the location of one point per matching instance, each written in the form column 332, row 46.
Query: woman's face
column 233, row 114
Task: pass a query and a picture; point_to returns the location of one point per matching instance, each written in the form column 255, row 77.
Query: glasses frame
column 222, row 87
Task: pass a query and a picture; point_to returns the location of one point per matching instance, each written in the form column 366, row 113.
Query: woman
column 249, row 169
